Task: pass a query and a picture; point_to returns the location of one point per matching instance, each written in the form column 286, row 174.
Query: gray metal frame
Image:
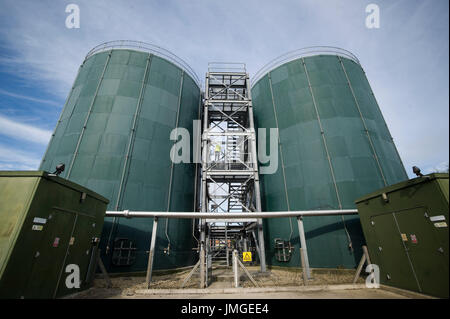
column 230, row 179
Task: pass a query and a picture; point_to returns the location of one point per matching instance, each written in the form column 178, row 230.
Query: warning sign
column 56, row 242
column 247, row 256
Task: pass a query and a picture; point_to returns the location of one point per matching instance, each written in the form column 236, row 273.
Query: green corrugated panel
column 322, row 172
column 140, row 181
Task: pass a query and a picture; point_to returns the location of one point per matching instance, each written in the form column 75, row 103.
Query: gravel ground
column 221, row 277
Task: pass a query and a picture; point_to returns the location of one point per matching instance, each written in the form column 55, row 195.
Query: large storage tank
column 113, row 136
column 334, row 147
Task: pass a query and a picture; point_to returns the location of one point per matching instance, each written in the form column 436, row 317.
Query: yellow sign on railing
column 247, row 256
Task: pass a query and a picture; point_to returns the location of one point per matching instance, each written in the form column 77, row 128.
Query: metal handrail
column 235, row 67
column 229, row 215
column 300, row 53
column 146, row 47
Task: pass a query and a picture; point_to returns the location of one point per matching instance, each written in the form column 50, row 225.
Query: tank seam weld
column 387, row 128
column 171, row 167
column 364, row 123
column 323, row 135
column 88, row 115
column 281, row 154
column 60, row 116
column 328, row 155
column 129, row 147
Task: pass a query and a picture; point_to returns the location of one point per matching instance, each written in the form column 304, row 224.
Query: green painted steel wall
column 106, row 96
column 417, row 208
column 32, row 265
column 283, row 99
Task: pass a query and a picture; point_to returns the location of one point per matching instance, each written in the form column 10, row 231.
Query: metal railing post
column 303, row 249
column 236, row 268
column 151, row 253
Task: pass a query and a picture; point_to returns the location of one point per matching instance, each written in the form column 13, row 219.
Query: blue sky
column 406, row 60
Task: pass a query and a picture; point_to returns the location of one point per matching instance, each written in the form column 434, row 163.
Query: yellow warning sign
column 247, row 256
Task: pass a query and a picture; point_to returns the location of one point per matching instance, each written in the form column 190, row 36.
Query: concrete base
column 406, row 293
column 247, row 290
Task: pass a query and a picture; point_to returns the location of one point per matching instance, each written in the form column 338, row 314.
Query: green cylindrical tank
column 334, row 147
column 113, row 136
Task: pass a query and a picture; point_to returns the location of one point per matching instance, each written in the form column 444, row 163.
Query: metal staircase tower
column 229, row 176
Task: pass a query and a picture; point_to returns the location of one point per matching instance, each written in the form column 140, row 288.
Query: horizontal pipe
column 303, row 213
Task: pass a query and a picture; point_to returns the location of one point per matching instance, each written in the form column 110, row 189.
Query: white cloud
column 439, row 168
column 21, row 131
column 29, row 98
column 13, row 159
column 406, row 60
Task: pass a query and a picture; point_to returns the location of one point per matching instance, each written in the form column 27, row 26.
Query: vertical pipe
column 262, row 249
column 304, row 255
column 151, row 253
column 304, row 272
column 202, row 254
column 235, row 269
column 256, row 244
column 204, row 203
column 207, row 256
column 226, row 243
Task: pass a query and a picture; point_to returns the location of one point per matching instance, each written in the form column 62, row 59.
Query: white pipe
column 210, row 215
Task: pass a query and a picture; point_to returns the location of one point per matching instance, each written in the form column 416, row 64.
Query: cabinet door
column 427, row 252
column 50, row 255
column 79, row 252
column 390, row 255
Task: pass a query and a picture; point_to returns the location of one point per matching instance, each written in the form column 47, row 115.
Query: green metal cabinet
column 406, row 229
column 46, row 223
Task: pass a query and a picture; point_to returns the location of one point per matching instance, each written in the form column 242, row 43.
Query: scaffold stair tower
column 229, row 175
